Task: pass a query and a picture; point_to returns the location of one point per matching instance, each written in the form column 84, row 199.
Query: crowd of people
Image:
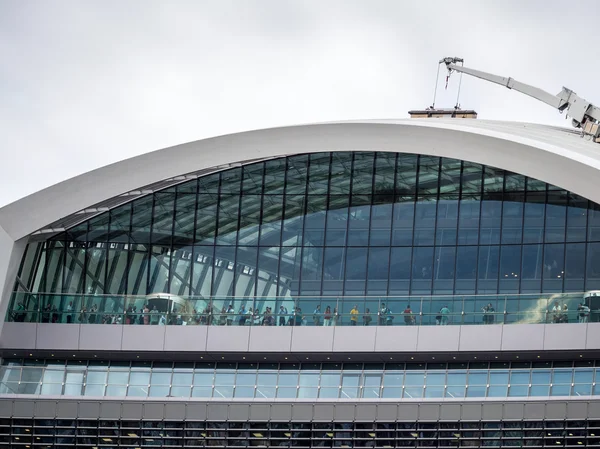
column 149, row 314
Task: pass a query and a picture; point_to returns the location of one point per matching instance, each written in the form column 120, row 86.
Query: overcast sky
column 87, row 83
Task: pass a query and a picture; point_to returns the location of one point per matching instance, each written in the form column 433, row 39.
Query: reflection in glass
column 339, row 223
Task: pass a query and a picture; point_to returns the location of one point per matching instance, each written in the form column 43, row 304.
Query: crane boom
column 583, row 114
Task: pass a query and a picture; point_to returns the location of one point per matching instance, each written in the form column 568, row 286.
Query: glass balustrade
column 164, row 309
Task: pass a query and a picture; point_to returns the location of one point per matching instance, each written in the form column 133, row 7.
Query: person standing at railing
column 242, row 315
column 583, row 313
column 146, row 315
column 409, row 318
column 354, row 315
column 128, row 313
column 317, row 315
column 367, row 318
column 556, row 312
column 70, row 312
column 444, row 312
column 491, row 314
column 327, row 316
column 230, row 314
column 298, row 317
column 55, row 316
column 283, row 312
column 83, row 315
column 384, row 313
column 564, row 318
column 154, row 318
column 336, row 319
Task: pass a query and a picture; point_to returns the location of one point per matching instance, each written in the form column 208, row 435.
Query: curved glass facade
column 339, row 224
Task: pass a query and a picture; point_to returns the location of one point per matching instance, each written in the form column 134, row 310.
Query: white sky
column 87, row 83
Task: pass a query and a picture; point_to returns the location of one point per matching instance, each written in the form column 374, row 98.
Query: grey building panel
column 96, row 338
column 344, row 412
column 577, row 410
column 475, row 338
column 491, row 412
column 471, row 412
column 23, row 408
column 132, row 410
column 450, row 412
column 19, row 335
column 394, row 338
column 408, row 411
column 196, row 412
column 429, row 412
column 67, row 409
column 216, row 412
column 345, row 339
column 186, row 338
column 526, row 337
column 143, row 338
column 154, row 411
column 89, row 410
column 366, row 412
column 389, row 413
column 323, row 412
column 49, row 337
column 46, row 409
column 592, row 338
column 514, row 411
column 228, row 339
column 439, row 338
column 238, row 412
column 270, row 339
column 6, row 408
column 564, row 336
column 312, row 339
column 260, row 412
column 534, row 411
column 174, row 411
column 556, row 410
column 281, row 412
column 303, row 412
column 594, row 410
column 110, row 410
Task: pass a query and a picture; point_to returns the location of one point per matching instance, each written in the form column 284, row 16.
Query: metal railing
column 165, row 309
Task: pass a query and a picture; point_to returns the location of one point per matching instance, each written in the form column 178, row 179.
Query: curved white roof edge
column 555, row 155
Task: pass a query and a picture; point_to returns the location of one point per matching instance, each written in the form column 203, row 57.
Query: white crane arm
column 511, row 83
column 584, row 115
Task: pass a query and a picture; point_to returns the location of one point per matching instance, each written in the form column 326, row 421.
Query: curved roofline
column 555, row 155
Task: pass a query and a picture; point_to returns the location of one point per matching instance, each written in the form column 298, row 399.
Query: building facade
column 365, row 284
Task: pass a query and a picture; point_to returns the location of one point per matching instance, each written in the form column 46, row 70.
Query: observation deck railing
column 166, row 309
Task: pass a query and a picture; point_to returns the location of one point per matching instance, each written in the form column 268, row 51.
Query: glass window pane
column 510, row 268
column 477, row 378
column 554, row 269
column 429, row 172
column 162, row 391
column 574, row 267
column 512, row 219
column 425, row 219
column 183, row 377
column 468, row 221
column 534, row 217
column 403, row 221
column 491, row 217
column 519, row 377
column 457, row 377
column 562, row 376
column 422, row 269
